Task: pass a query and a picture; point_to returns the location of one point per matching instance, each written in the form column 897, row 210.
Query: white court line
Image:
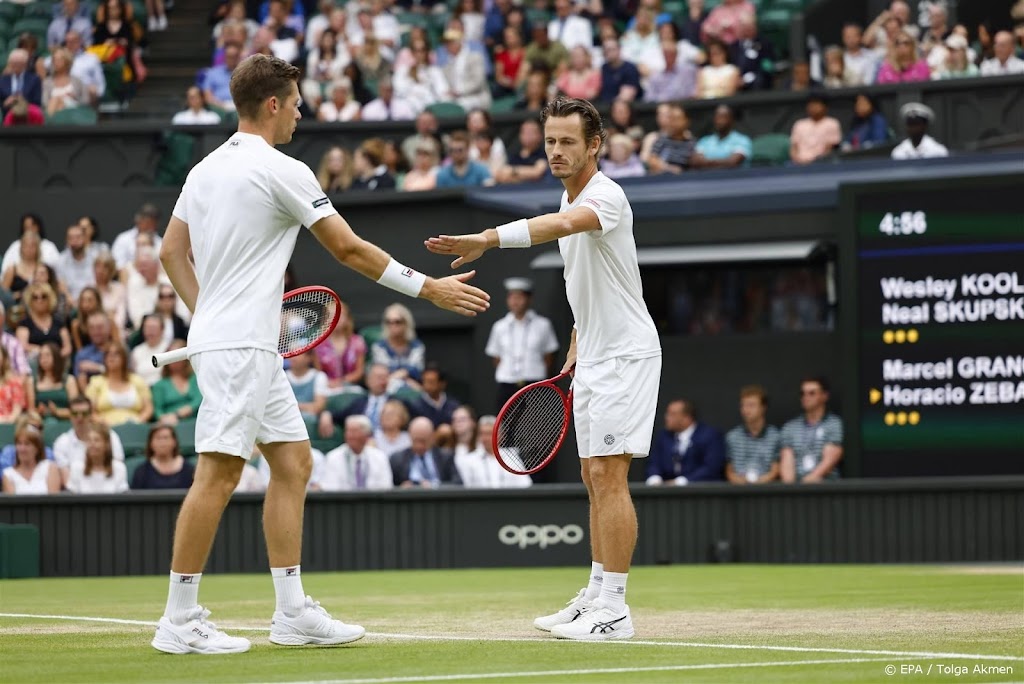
column 630, row 642
column 592, row 671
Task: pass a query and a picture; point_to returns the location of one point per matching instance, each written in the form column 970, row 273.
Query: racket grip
column 172, row 356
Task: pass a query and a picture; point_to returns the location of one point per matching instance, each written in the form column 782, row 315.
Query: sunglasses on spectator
column 80, row 414
column 395, row 321
column 39, row 296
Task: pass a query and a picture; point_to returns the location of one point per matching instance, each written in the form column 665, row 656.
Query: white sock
column 182, row 597
column 291, row 600
column 594, row 587
column 613, row 589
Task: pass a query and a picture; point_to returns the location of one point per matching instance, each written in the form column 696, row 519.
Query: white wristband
column 514, row 235
column 402, row 279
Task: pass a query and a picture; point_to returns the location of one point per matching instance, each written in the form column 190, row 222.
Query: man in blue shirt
column 90, row 358
column 726, row 148
column 619, row 78
column 462, row 171
column 217, row 83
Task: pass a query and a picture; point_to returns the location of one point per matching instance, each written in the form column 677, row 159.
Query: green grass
column 696, row 614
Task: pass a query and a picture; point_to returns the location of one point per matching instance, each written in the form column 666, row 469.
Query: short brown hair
column 459, row 137
column 754, row 391
column 34, row 436
column 258, row 78
column 562, row 107
column 373, row 150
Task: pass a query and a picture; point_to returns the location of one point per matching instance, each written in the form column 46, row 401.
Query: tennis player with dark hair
column 614, row 346
column 238, row 215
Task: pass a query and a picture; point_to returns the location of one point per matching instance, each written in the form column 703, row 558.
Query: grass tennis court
column 726, row 623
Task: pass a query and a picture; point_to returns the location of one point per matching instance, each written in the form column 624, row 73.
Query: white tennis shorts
column 613, row 404
column 246, row 399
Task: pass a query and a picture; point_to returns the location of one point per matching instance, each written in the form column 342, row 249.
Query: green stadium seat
column 770, row 149
column 186, row 432
column 131, row 464
column 36, row 25
column 73, row 116
column 10, row 12
column 447, row 110
column 340, row 402
column 52, row 429
column 176, row 161
column 371, row 334
column 791, row 6
column 406, row 394
column 42, row 10
column 6, row 434
column 133, row 437
column 504, row 104
column 538, row 16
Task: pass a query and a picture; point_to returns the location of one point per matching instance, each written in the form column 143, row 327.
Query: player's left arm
column 174, row 256
column 541, row 229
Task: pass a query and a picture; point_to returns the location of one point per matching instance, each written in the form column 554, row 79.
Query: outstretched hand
column 467, row 247
column 455, row 294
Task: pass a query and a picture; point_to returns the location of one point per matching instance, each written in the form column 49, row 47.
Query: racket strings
column 305, row 317
column 531, row 428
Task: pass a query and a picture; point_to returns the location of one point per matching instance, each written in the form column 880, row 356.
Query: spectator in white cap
column 956, row 59
column 918, row 145
column 522, row 344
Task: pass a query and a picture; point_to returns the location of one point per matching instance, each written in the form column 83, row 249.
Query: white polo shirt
column 243, row 205
column 929, row 148
column 69, row 450
column 521, row 346
column 602, row 280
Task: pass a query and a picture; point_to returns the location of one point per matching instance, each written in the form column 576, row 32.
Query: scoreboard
column 934, row 313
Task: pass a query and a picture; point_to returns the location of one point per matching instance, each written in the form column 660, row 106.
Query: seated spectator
column 195, row 112
column 176, row 395
column 70, row 17
column 464, row 430
column 837, row 73
column 51, row 390
column 112, row 293
column 641, row 44
column 480, row 121
column 75, row 267
column 421, row 465
column 371, row 61
column 116, row 29
column 356, row 465
column 236, row 15
column 387, row 107
column 324, row 65
column 118, row 395
column 902, row 64
column 510, row 65
column 165, row 467
column 433, row 401
column 812, row 445
column 15, row 352
column 235, row 32
column 726, row 148
column 91, row 229
column 480, row 468
column 692, row 26
column 535, row 95
column 61, row 90
column 421, row 84
column 426, row 132
column 800, row 79
column 399, row 349
column 143, row 283
column 336, row 169
column 620, row 80
column 423, row 175
column 370, row 171
column 1004, row 61
column 69, row 447
column 152, row 344
column 308, row 384
column 22, row 271
column 723, row 22
column 98, row 472
column 31, row 472
column 816, row 136
column 621, row 119
column 754, row 56
column 169, row 309
column 752, row 448
column 340, row 106
column 569, row 28
column 672, row 152
column 483, row 144
column 686, row 450
column 957, row 63
column 461, row 171
column 882, row 31
column 342, row 356
column 24, row 114
column 42, row 324
column 217, row 81
column 14, row 399
column 371, row 405
column 918, row 145
column 675, row 77
column 718, row 78
column 49, row 254
column 89, row 302
column 147, row 220
column 933, row 41
column 542, row 49
column 856, row 57
column 528, row 163
column 18, row 83
column 622, row 160
column 581, row 79
column 465, row 73
column 868, row 127
column 391, row 436
column 47, row 275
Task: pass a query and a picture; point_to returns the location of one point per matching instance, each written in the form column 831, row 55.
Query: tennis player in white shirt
column 238, row 215
column 614, row 346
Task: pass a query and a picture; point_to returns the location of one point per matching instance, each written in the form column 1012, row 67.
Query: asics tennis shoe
column 313, row 625
column 599, row 622
column 197, row 635
column 573, row 609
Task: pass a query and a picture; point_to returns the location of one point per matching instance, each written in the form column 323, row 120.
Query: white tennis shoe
column 313, row 626
column 198, row 635
column 599, row 622
column 573, row 609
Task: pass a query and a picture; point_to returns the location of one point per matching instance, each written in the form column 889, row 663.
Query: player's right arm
column 174, row 257
column 451, row 293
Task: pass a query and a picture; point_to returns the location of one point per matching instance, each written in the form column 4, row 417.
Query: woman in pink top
column 903, row 65
column 342, row 356
column 581, row 79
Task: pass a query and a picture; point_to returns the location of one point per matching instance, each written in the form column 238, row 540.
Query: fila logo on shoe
column 196, row 630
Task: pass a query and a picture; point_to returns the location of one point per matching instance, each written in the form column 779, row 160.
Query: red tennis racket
column 532, row 425
column 308, row 316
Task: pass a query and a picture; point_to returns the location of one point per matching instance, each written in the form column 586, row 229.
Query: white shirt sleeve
column 180, row 210
column 119, row 474
column 607, row 201
column 492, row 348
column 298, row 193
column 321, row 385
column 116, row 446
column 550, row 339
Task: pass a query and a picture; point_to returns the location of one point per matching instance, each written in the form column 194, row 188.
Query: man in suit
column 369, row 405
column 356, row 466
column 434, row 402
column 422, row 465
column 18, row 83
column 686, row 450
